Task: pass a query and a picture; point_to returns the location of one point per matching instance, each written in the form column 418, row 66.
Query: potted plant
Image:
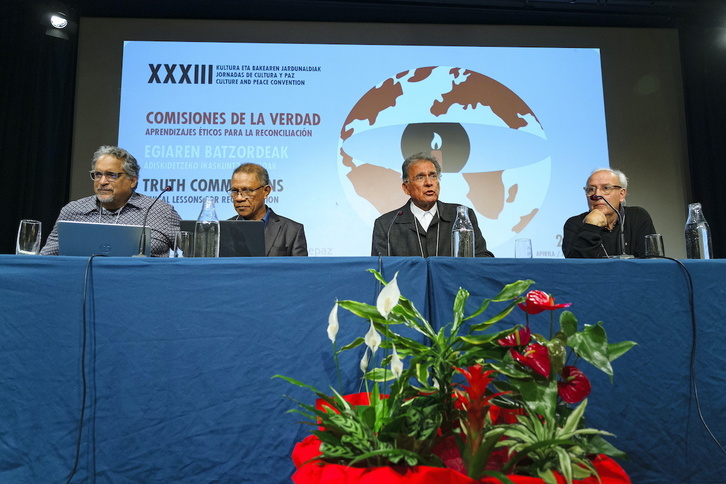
column 466, row 402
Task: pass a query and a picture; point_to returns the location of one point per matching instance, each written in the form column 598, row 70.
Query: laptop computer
column 237, row 238
column 86, row 239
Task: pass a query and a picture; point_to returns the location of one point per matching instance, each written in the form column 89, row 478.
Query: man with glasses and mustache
column 597, row 232
column 423, row 226
column 115, row 175
column 249, row 188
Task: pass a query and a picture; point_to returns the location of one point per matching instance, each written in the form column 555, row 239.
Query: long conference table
column 126, row 370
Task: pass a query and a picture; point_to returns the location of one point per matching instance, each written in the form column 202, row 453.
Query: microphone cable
column 84, row 385
column 692, row 359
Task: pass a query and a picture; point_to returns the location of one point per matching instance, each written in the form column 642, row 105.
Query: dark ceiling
column 657, row 13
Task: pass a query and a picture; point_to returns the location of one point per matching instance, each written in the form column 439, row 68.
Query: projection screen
column 518, row 117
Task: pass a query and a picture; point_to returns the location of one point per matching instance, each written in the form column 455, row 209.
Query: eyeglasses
column 432, row 176
column 605, row 189
column 110, row 175
column 245, row 192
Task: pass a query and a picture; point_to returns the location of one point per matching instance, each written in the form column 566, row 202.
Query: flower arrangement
column 481, row 403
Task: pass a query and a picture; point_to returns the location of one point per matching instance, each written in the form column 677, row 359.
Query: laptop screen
column 86, row 239
column 237, row 238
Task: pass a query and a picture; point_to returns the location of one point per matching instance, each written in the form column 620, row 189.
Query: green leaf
column 356, row 343
column 540, row 398
column 422, row 373
column 580, row 473
column 530, row 450
column 548, row 476
column 337, row 451
column 459, row 303
column 510, row 291
column 299, row 383
column 565, row 466
column 482, row 307
column 557, row 350
column 573, row 421
column 406, row 346
column 326, row 437
column 365, row 311
column 568, row 323
column 616, row 350
column 380, row 374
column 592, row 345
column 478, row 461
column 513, row 290
column 378, row 276
column 503, row 314
column 367, row 416
column 598, row 445
column 440, row 338
column 480, row 339
column 409, row 315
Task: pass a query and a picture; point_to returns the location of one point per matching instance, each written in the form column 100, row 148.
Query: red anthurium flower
column 538, row 301
column 535, row 357
column 574, row 385
column 518, row 338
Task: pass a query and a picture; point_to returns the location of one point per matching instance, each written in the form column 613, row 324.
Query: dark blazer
column 284, row 236
column 397, row 233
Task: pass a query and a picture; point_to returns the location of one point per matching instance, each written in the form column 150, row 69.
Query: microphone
column 388, row 233
column 620, row 220
column 142, row 238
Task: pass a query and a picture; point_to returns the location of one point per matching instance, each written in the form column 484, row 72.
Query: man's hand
column 596, row 217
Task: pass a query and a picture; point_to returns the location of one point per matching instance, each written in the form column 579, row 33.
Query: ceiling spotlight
column 58, row 21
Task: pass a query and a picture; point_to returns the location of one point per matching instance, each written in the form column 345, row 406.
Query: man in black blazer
column 249, row 188
column 423, row 226
column 603, row 231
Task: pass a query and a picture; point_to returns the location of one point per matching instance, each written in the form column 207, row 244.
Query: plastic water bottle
column 462, row 234
column 206, row 231
column 698, row 234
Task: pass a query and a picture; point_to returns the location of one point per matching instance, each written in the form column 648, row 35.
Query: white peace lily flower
column 388, row 297
column 333, row 323
column 364, row 361
column 372, row 338
column 396, row 364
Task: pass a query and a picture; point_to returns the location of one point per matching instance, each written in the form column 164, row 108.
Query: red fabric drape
column 316, row 472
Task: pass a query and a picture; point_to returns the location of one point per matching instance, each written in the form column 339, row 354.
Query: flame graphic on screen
column 436, row 141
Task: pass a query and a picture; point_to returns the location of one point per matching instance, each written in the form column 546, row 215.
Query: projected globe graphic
column 492, row 149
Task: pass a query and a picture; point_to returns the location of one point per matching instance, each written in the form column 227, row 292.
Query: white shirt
column 424, row 217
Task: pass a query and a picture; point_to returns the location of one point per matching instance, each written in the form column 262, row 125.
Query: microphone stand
column 388, row 232
column 142, row 237
column 621, row 224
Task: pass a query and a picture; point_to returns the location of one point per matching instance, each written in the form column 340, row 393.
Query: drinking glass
column 183, row 244
column 523, row 248
column 28, row 241
column 654, row 246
